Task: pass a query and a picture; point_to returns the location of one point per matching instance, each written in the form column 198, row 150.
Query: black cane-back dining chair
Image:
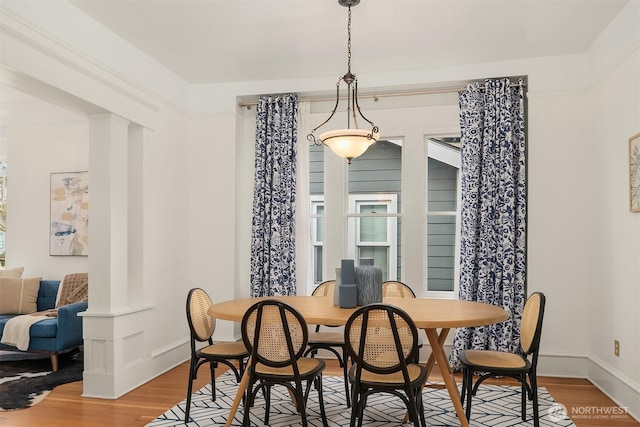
column 325, row 339
column 202, row 327
column 520, row 366
column 382, row 341
column 396, row 289
column 276, row 336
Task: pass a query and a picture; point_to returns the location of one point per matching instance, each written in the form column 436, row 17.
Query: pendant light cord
column 349, row 42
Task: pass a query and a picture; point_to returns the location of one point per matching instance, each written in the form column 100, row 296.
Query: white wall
column 198, row 167
column 34, row 153
column 614, row 293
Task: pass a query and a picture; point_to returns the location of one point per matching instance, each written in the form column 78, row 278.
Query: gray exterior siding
column 440, row 228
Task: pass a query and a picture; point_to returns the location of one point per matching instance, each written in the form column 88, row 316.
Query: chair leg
column 241, row 369
column 469, row 382
column 323, row 414
column 534, row 390
column 524, row 393
column 345, row 372
column 189, row 390
column 422, row 419
column 413, row 407
column 355, row 404
column 248, row 402
column 363, row 404
column 299, row 397
column 267, row 403
column 464, row 386
column 212, row 368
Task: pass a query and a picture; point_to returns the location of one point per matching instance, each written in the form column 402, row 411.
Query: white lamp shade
column 349, row 143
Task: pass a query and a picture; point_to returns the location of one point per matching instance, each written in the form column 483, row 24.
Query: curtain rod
column 249, row 104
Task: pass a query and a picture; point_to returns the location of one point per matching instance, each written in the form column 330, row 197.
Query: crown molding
column 26, row 50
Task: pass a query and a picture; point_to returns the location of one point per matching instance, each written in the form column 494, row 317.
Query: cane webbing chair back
column 382, row 338
column 278, row 333
column 202, row 325
column 395, row 289
column 324, row 289
column 382, row 341
column 276, row 336
column 531, row 324
column 201, row 328
column 520, row 366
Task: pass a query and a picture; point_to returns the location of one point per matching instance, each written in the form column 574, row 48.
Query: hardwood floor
column 64, row 406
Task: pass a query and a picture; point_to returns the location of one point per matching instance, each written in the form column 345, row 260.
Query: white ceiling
column 210, row 41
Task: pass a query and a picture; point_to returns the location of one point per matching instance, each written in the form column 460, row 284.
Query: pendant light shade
column 351, row 142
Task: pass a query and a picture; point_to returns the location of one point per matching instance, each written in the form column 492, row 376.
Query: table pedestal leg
column 437, row 352
column 432, row 360
column 242, row 387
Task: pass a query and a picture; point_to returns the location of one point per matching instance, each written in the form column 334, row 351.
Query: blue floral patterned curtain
column 273, row 246
column 493, row 229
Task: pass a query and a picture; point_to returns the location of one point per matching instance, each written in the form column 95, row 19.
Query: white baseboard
column 624, row 391
column 105, row 385
column 564, row 365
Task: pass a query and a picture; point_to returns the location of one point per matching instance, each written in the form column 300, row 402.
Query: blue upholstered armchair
column 57, row 334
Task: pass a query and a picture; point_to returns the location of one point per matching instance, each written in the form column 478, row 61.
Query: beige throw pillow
column 11, row 272
column 19, row 296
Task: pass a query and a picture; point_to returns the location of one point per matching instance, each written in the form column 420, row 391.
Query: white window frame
column 315, row 202
column 353, row 242
column 445, row 155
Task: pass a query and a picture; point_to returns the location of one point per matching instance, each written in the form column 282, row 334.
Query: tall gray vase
column 369, row 281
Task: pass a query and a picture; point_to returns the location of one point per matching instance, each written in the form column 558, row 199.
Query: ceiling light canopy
column 351, row 142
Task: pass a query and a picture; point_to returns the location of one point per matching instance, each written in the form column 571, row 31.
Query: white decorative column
column 336, row 175
column 108, row 201
column 114, row 323
column 135, row 215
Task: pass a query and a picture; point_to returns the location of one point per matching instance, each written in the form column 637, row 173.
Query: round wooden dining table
column 435, row 316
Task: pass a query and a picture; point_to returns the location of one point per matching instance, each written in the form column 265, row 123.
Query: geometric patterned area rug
column 492, row 406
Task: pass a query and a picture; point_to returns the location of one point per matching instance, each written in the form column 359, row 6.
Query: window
column 443, row 165
column 317, row 236
column 375, row 220
column 373, row 232
column 385, row 205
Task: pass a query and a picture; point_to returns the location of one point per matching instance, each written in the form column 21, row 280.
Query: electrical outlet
column 616, row 348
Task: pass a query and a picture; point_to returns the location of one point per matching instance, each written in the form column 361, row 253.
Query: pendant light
column 351, row 142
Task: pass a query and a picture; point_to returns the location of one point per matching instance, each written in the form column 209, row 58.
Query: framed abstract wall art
column 634, row 173
column 69, row 214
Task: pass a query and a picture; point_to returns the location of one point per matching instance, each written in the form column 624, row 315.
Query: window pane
column 373, row 229
column 317, row 264
column 441, row 231
column 380, row 256
column 442, row 194
column 319, row 223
